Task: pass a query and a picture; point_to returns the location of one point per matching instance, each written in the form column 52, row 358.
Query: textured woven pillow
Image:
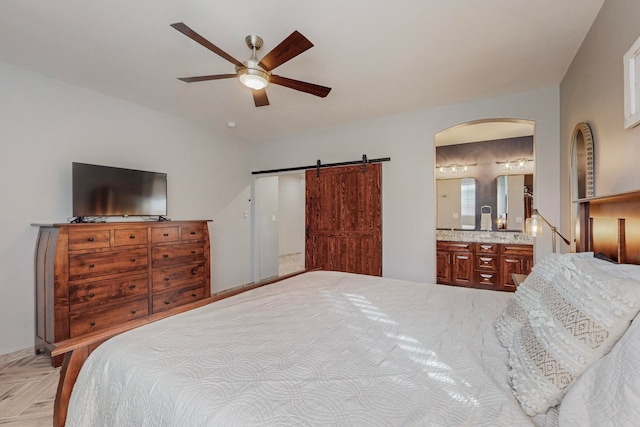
column 577, row 319
column 517, row 311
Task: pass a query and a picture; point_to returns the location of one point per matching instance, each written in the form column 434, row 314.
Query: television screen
column 109, row 191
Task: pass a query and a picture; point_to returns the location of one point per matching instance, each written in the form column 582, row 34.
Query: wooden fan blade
column 311, row 88
column 260, row 98
column 205, row 78
column 184, row 29
column 289, row 48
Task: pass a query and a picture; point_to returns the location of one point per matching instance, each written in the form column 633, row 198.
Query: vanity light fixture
column 520, row 164
column 454, row 168
column 533, row 227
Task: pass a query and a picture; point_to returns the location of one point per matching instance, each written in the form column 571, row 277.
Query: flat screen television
column 110, row 191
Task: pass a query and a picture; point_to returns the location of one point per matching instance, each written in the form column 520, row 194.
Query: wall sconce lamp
column 533, row 227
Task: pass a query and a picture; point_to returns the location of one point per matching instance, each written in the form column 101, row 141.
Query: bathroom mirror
column 514, row 201
column 456, row 203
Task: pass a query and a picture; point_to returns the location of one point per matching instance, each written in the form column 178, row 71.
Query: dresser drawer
column 88, row 294
column 507, row 249
column 177, row 254
column 455, row 246
column 175, row 277
column 165, row 234
column 89, row 239
column 489, row 263
column 91, row 321
column 486, row 248
column 134, row 236
column 177, row 298
column 100, row 263
column 194, row 232
column 487, row 278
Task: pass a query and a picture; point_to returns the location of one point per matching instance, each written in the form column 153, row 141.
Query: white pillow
column 516, row 313
column 608, row 393
column 577, row 318
column 627, row 271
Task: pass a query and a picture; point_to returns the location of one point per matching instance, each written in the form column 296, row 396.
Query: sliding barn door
column 343, row 219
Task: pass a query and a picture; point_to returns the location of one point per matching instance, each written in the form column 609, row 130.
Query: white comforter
column 323, row 348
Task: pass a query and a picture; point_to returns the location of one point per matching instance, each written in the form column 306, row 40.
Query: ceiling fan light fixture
column 253, row 78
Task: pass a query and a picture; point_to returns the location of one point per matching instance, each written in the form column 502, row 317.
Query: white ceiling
column 380, row 57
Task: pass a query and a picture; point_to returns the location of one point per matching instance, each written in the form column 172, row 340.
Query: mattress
column 322, row 348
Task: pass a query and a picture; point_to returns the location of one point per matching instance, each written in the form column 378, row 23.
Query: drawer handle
column 92, row 324
column 132, row 237
column 165, row 255
column 91, row 265
column 166, row 279
column 167, row 302
column 166, row 234
column 90, row 239
column 193, row 232
column 133, row 311
column 194, row 295
column 194, row 272
column 193, row 252
column 92, row 295
column 132, row 286
column 133, row 260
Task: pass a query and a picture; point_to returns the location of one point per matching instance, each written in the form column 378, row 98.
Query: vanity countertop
column 510, row 237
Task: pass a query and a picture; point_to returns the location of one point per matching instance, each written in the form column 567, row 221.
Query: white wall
column 47, row 124
column 592, row 92
column 266, row 222
column 408, row 179
column 291, row 208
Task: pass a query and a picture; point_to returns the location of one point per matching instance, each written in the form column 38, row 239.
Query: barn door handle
column 306, row 231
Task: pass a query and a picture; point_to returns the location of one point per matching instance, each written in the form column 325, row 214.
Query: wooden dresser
column 93, row 276
column 482, row 265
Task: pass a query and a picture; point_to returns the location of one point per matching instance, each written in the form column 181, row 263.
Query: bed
column 329, row 348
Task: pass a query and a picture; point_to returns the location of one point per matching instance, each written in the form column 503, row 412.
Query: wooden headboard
column 610, row 225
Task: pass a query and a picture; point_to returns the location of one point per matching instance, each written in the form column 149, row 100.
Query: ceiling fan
column 256, row 74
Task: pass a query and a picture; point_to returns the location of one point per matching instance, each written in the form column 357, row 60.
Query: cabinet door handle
column 194, row 272
column 133, row 260
column 193, row 233
column 92, row 324
column 90, row 239
column 193, row 252
column 132, row 237
column 167, row 302
column 194, row 295
column 92, row 295
column 91, row 265
column 165, row 255
column 166, row 279
column 166, row 234
column 132, row 286
column 133, row 311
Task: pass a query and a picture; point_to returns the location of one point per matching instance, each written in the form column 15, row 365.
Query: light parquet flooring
column 27, row 389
